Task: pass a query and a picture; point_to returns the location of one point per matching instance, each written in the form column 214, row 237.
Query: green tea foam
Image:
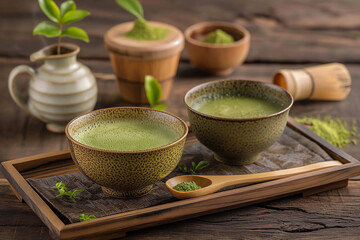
column 126, row 135
column 237, row 107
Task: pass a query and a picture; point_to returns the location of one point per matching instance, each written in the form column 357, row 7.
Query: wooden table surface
column 284, row 34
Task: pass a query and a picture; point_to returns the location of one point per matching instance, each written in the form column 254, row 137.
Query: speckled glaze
column 238, row 141
column 126, row 174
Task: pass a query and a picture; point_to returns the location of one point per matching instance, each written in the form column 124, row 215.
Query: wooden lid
column 116, row 41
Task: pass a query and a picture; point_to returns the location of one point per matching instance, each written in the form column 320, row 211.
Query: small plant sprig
column 132, row 6
column 194, row 167
column 65, row 15
column 64, row 192
column 84, row 217
column 153, row 93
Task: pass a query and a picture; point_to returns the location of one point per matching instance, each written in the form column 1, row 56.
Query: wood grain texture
column 282, row 30
column 23, row 135
column 118, row 224
column 131, row 74
column 285, row 34
column 334, row 214
column 213, row 183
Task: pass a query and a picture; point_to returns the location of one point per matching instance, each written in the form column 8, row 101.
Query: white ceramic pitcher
column 59, row 90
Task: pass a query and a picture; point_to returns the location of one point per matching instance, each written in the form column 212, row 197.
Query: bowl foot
column 56, row 128
column 236, row 161
column 126, row 194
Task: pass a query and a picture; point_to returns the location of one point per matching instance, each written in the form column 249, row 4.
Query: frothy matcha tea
column 237, row 107
column 126, row 135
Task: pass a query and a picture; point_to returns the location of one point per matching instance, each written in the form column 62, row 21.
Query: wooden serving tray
column 58, row 163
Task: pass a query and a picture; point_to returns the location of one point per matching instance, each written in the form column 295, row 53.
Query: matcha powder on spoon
column 335, row 131
column 187, row 187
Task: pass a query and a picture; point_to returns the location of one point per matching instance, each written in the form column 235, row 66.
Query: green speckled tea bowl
column 237, row 141
column 126, row 174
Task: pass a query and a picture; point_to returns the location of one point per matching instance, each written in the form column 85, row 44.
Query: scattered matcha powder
column 219, row 37
column 335, row 131
column 142, row 31
column 187, row 187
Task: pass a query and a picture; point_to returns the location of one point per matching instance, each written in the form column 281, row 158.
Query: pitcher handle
column 14, row 92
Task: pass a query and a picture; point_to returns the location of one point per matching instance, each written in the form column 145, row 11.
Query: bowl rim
column 126, row 152
column 237, row 119
column 190, row 30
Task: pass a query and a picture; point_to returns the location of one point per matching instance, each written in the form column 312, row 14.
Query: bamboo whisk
column 324, row 82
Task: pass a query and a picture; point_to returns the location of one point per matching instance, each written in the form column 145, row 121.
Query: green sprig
column 153, row 93
column 64, row 192
column 132, row 6
column 194, row 167
column 84, row 217
column 65, row 15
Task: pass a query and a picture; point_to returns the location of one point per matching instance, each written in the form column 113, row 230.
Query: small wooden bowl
column 132, row 60
column 218, row 59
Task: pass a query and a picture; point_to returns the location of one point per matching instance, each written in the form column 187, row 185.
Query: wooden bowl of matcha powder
column 141, row 48
column 217, row 47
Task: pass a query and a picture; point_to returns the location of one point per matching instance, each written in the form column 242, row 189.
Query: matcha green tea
column 237, row 107
column 219, row 37
column 187, row 187
column 142, row 31
column 126, row 135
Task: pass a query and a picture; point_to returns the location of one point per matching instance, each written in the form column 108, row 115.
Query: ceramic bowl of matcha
column 126, row 149
column 237, row 119
column 217, row 47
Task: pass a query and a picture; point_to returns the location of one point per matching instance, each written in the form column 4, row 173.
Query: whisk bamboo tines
column 324, row 82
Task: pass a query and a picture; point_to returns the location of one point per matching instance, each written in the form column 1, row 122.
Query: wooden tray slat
column 36, row 203
column 51, row 164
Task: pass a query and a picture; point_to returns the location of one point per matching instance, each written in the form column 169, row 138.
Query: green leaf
column 132, row 6
column 84, row 217
column 193, row 165
column 152, row 90
column 50, row 9
column 67, row 6
column 75, row 32
column 75, row 192
column 183, row 168
column 160, row 107
column 192, row 172
column 74, row 16
column 202, row 165
column 65, row 193
column 47, row 29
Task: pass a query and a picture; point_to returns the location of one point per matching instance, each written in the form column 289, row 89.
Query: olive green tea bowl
column 126, row 174
column 237, row 141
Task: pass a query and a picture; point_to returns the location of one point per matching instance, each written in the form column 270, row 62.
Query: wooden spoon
column 213, row 183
